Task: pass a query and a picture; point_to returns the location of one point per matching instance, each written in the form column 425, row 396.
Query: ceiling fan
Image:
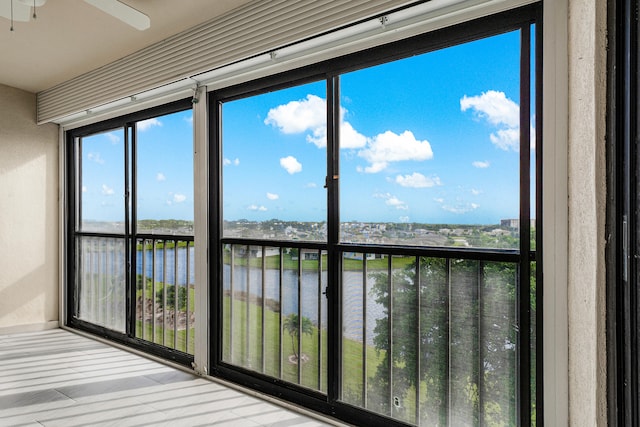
column 21, row 10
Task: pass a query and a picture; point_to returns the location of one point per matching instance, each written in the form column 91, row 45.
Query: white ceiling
column 71, row 37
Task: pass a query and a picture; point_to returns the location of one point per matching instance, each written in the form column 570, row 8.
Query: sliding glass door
column 374, row 229
column 132, row 229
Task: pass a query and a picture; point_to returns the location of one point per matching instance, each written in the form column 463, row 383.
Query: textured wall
column 587, row 196
column 28, row 214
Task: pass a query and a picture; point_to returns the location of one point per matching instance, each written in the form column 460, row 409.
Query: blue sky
column 431, row 138
column 164, row 168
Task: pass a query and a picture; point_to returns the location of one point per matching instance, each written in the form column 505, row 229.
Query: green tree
column 292, row 326
column 171, row 296
column 466, row 314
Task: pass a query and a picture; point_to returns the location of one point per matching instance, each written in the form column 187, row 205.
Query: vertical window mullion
column 418, row 285
column 153, row 291
column 232, row 276
column 176, row 294
column 523, row 403
column 447, row 393
column 247, row 320
column 264, row 307
column 128, row 161
column 164, row 292
column 129, row 226
column 319, row 318
column 480, row 344
column 334, row 258
column 300, row 330
column 390, row 333
column 77, row 189
column 364, row 331
column 539, row 221
column 280, row 318
column 187, row 299
column 143, row 286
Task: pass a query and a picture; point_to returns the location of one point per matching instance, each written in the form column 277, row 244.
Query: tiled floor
column 58, row 378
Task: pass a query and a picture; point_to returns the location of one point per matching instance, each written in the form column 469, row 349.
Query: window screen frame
column 72, row 178
column 330, row 71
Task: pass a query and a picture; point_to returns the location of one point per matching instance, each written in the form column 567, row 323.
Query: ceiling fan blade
column 21, row 12
column 36, row 3
column 123, row 12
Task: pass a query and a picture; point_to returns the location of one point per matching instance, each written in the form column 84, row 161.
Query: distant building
column 358, row 256
column 515, row 223
column 307, row 255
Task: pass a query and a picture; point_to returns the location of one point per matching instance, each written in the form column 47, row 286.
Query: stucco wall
column 28, row 215
column 587, row 197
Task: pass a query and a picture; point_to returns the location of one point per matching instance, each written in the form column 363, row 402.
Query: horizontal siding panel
column 252, row 29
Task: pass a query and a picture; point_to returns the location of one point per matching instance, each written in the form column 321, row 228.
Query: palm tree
column 291, row 325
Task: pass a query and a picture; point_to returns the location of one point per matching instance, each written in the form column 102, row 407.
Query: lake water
column 309, row 289
column 170, row 264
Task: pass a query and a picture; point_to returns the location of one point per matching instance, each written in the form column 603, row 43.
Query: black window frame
column 622, row 216
column 330, row 71
column 73, row 171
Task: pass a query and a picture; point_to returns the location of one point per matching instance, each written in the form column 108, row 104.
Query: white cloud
column 189, row 119
column 311, row 185
column 298, row 116
column 95, row 157
column 460, row 208
column 106, row 190
column 318, row 136
column 84, row 188
column 499, row 111
column 148, row 124
column 257, row 208
column 391, row 200
column 227, row 162
column 396, row 203
column 476, row 192
column 403, row 219
column 390, row 147
column 272, row 196
column 291, row 164
column 506, row 139
column 160, row 177
column 481, row 165
column 310, row 115
column 113, row 137
column 495, row 107
column 179, row 198
column 417, row 180
column 351, row 138
column 532, row 130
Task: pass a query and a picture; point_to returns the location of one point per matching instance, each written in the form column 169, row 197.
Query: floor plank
column 58, row 378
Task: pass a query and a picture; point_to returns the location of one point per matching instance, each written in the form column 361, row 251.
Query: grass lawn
column 272, row 358
column 289, row 263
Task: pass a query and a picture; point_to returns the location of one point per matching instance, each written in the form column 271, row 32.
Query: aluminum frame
column 330, row 71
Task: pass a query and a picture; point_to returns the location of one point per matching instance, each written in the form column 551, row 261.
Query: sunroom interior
column 323, row 204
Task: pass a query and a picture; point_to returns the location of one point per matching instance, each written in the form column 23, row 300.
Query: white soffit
column 220, row 52
column 252, row 29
